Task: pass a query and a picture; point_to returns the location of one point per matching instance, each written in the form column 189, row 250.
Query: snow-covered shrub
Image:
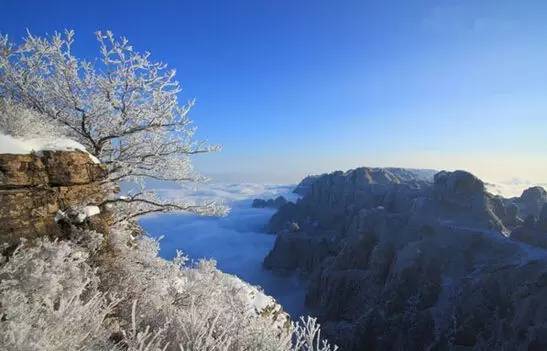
column 87, row 293
column 199, row 307
column 49, row 299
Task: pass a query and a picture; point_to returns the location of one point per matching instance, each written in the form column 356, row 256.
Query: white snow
column 91, row 211
column 86, row 212
column 11, row 145
column 81, row 216
column 258, row 300
column 59, row 215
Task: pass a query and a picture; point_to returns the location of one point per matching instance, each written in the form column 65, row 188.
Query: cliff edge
column 35, row 187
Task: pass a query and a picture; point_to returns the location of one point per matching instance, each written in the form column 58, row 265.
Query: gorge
column 387, row 258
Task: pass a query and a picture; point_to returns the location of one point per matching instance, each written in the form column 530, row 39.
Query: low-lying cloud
column 237, row 242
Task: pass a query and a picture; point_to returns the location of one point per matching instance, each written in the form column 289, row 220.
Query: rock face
column 399, row 262
column 530, row 210
column 304, row 186
column 331, row 198
column 531, row 201
column 33, row 188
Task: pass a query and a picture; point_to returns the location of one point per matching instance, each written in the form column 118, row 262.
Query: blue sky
column 296, row 87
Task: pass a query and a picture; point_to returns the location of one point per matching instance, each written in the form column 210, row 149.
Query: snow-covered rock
column 11, row 145
column 261, row 304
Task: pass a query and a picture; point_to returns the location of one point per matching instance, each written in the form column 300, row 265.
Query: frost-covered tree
column 95, row 292
column 123, row 107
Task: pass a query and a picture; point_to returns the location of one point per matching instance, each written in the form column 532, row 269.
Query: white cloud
column 511, row 188
column 236, row 241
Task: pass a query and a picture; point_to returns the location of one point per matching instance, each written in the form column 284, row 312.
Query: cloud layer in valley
column 236, row 241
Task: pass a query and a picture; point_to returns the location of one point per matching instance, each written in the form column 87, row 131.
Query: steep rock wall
column 34, row 187
column 396, row 263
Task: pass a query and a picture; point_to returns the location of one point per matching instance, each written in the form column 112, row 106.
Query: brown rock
column 21, row 171
column 34, row 187
column 70, row 168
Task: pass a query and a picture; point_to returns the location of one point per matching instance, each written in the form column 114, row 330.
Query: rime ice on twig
column 123, row 108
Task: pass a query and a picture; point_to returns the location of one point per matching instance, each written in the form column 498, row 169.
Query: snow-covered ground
column 237, row 241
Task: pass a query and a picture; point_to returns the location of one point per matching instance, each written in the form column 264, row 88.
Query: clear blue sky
column 296, row 87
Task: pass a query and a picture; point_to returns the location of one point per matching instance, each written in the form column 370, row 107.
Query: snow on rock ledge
column 11, row 145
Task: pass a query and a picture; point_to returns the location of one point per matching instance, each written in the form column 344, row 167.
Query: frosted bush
column 87, row 293
column 49, row 299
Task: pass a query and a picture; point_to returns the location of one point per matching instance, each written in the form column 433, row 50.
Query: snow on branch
column 141, row 203
column 123, row 107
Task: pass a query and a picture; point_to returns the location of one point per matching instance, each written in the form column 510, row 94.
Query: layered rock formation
column 34, row 187
column 399, row 262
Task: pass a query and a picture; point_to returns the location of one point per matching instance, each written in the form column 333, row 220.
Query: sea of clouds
column 512, row 188
column 237, row 241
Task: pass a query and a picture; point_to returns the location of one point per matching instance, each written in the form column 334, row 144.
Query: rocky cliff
column 71, row 288
column 35, row 187
column 401, row 262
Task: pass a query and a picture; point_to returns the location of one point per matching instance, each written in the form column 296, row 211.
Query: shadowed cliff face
column 396, row 261
column 34, row 187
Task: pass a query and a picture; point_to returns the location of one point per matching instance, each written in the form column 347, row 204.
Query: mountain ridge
column 397, row 262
